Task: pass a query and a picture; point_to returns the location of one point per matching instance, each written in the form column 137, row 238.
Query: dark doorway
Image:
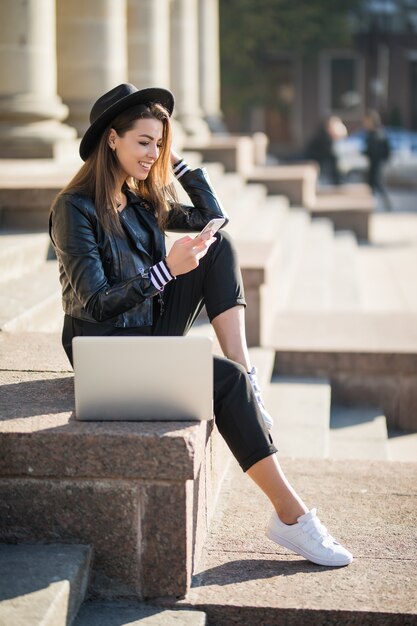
column 413, row 95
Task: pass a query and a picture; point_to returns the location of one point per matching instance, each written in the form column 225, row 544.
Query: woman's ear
column 112, row 139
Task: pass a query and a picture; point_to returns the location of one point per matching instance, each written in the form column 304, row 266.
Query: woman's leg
column 229, row 327
column 270, row 478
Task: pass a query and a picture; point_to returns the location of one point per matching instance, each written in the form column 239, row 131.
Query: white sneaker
column 253, row 377
column 310, row 539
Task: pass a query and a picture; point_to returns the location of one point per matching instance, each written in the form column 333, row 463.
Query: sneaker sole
column 310, row 557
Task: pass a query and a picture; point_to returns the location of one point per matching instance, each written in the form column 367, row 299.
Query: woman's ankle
column 290, row 514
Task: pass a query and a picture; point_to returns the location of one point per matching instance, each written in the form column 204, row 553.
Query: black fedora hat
column 118, row 99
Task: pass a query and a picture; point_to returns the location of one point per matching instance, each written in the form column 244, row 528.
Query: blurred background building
column 304, row 61
column 283, row 68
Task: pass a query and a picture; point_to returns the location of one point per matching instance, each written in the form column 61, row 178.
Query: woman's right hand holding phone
column 186, row 253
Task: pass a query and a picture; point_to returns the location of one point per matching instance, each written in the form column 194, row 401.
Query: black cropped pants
column 217, row 284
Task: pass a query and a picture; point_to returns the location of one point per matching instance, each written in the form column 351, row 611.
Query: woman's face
column 139, row 147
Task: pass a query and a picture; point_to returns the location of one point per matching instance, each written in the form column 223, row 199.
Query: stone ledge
column 38, row 430
column 141, row 493
column 296, row 181
column 347, row 211
column 237, row 153
column 258, row 260
column 371, row 359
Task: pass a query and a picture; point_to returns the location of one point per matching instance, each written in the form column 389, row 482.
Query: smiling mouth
column 146, row 166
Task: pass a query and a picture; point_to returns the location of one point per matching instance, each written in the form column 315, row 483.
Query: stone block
column 141, row 493
column 297, row 182
column 26, row 208
column 42, row 584
column 257, row 261
column 348, row 208
column 235, row 152
column 103, row 514
column 371, row 359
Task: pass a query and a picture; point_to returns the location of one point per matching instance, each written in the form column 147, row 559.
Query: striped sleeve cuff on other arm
column 160, row 275
column 180, row 168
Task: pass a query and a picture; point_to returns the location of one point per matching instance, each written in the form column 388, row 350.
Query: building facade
column 379, row 70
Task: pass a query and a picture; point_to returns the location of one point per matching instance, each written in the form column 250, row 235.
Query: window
column 342, row 82
column 341, row 76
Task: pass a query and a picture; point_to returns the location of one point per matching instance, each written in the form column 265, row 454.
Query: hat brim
column 143, row 96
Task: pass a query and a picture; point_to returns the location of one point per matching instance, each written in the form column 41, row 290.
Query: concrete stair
column 42, row 584
column 30, row 292
column 314, row 311
column 348, row 312
column 128, row 614
column 246, row 579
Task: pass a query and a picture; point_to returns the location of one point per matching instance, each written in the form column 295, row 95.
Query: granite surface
column 371, row 507
column 135, row 491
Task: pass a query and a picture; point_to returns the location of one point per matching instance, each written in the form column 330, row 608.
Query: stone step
column 402, row 446
column 345, row 291
column 32, row 302
column 370, row 358
column 358, row 433
column 379, row 287
column 310, row 289
column 291, row 241
column 369, row 506
column 42, row 585
column 269, row 220
column 146, row 519
column 301, row 412
column 21, row 253
column 296, row 181
column 127, row 614
column 346, row 211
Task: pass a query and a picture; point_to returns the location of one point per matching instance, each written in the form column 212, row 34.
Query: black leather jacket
column 105, row 277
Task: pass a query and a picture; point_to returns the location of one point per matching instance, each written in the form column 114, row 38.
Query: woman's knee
column 230, row 378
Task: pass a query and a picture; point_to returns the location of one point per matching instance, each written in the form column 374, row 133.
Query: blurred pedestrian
column 321, row 148
column 378, row 151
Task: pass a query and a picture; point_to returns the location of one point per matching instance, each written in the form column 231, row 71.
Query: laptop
column 143, row 378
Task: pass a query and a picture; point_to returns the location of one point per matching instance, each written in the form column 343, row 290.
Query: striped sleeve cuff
column 160, row 275
column 180, row 168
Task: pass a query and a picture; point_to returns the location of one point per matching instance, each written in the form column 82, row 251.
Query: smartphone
column 213, row 225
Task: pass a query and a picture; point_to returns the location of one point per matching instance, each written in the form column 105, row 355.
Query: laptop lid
column 143, row 378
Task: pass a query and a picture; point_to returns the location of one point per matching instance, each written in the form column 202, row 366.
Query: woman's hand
column 186, row 253
column 175, row 157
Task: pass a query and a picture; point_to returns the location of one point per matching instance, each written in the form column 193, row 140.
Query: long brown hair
column 98, row 177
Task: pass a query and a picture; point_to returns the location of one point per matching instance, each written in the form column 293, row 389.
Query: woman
column 107, row 227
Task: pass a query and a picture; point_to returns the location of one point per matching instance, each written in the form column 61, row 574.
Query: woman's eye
column 144, row 143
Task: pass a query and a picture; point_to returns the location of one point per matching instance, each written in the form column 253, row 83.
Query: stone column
column 185, row 67
column 209, row 58
column 92, row 53
column 148, row 35
column 148, row 43
column 30, row 109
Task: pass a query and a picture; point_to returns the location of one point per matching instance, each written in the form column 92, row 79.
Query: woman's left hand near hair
column 175, row 157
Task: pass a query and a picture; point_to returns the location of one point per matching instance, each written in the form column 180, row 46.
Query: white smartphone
column 213, row 225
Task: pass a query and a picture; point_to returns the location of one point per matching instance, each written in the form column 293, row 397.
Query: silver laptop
column 143, row 378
